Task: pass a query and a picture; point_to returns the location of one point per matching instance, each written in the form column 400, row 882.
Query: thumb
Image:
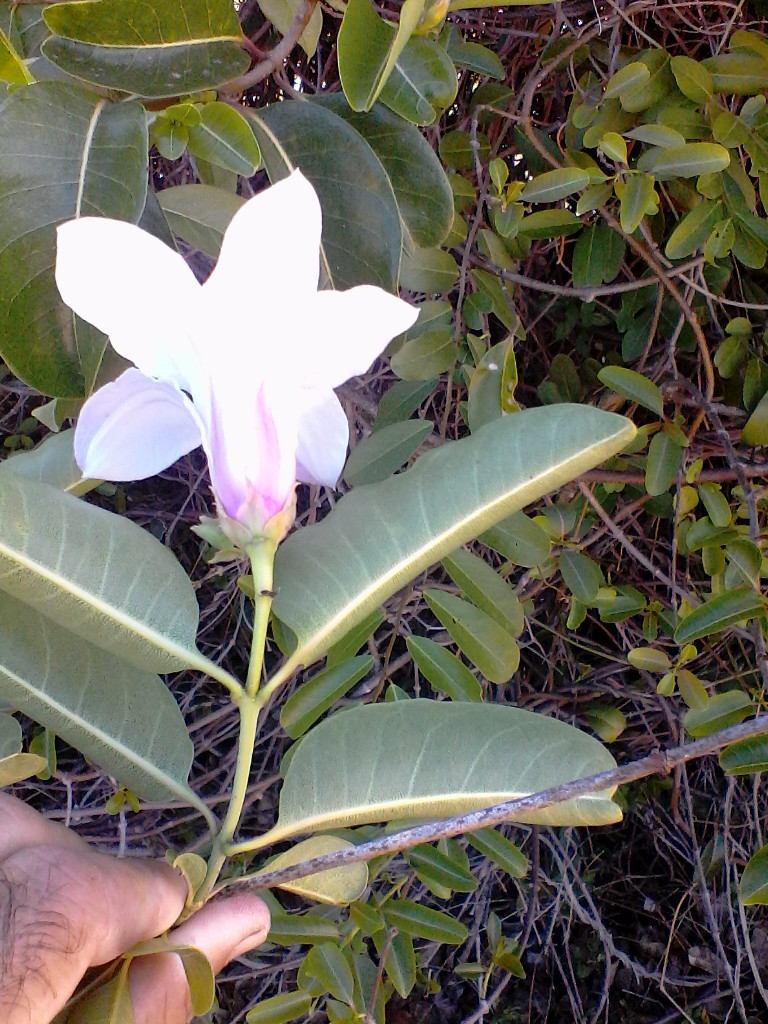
column 222, row 930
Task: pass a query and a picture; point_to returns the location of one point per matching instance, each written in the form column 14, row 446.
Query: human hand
column 65, row 908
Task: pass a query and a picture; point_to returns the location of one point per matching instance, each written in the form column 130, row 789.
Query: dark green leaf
column 720, row 612
column 328, row 965
column 664, row 457
column 426, row 356
column 421, row 188
column 369, row 47
column 597, row 255
column 473, row 56
column 688, row 161
column 483, row 585
column 301, row 929
column 313, row 698
column 443, row 670
column 401, row 400
column 754, row 880
column 637, row 199
column 399, row 962
column 385, row 451
column 693, row 230
column 582, row 575
column 280, row 1009
column 496, row 847
column 549, row 224
column 554, row 185
column 487, row 645
column 362, row 237
column 147, row 47
column 745, row 758
column 519, row 540
column 436, row 867
column 722, row 711
column 199, row 214
column 423, row 922
column 432, row 271
column 423, row 82
column 225, row 138
column 63, row 153
column 352, row 641
column 633, row 386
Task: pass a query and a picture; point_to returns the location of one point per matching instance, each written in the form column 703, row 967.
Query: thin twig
column 275, row 58
column 585, row 294
column 661, row 762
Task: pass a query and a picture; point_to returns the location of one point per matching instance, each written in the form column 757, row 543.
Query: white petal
column 135, row 289
column 323, row 438
column 271, row 249
column 345, row 332
column 133, row 428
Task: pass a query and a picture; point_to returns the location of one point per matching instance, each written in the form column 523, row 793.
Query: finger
column 20, row 826
column 222, row 930
column 65, row 911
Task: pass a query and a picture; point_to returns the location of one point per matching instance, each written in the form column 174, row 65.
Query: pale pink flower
column 244, row 364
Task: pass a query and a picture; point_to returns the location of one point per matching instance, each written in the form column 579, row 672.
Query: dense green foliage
column 580, row 209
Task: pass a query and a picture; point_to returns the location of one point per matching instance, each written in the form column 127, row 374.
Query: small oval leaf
column 553, row 185
column 443, row 670
column 720, row 612
column 423, row 922
column 754, row 879
column 720, row 712
column 633, row 386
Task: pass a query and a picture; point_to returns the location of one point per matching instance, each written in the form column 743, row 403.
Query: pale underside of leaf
column 381, row 536
column 121, row 717
column 425, row 759
column 98, row 575
column 340, row 885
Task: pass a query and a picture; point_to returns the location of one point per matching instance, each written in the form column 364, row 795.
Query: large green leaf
column 63, row 153
column 52, row 462
column 378, row 537
column 200, row 214
column 430, row 759
column 121, row 717
column 368, row 48
column 147, row 47
column 362, row 237
column 420, row 184
column 98, row 575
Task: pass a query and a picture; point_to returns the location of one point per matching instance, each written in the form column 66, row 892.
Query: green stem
column 262, row 556
column 249, row 704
